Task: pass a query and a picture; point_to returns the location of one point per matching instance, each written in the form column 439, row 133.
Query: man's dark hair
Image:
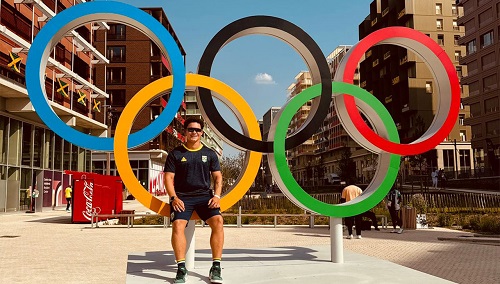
column 193, row 119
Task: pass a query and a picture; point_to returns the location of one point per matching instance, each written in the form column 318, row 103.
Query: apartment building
column 135, row 61
column 331, row 139
column 33, row 158
column 301, row 157
column 404, row 84
column 267, row 119
column 481, row 20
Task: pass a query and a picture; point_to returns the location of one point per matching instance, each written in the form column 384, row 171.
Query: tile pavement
column 46, row 248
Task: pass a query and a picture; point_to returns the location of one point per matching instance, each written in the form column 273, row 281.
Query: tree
column 347, row 167
column 231, row 170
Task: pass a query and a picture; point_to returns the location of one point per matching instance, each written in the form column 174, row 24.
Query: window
column 471, row 46
column 455, row 39
column 454, row 10
column 60, row 53
column 449, row 162
column 472, row 68
column 455, row 25
column 439, row 24
column 491, row 105
column 463, row 135
column 115, row 75
column 439, row 9
column 116, row 32
column 428, row 87
column 155, row 50
column 464, row 157
column 117, row 97
column 477, row 131
column 412, row 72
column 440, row 40
column 474, row 88
column 458, row 55
column 487, row 39
column 383, row 72
column 490, row 83
column 461, row 118
column 116, row 53
column 488, row 61
column 485, row 18
column 493, row 127
column 459, row 71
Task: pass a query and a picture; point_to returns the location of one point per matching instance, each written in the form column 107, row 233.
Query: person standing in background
column 349, row 193
column 68, row 192
column 393, row 205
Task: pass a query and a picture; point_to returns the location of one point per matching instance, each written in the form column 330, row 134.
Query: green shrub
column 419, row 203
column 490, row 224
column 444, row 220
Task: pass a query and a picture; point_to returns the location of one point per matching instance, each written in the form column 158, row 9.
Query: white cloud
column 264, row 79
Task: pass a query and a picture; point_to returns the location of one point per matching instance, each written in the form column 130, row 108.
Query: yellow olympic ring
column 145, row 95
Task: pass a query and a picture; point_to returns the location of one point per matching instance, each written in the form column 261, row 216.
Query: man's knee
column 179, row 226
column 216, row 222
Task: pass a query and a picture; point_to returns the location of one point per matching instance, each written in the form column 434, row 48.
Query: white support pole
column 336, row 240
column 190, row 244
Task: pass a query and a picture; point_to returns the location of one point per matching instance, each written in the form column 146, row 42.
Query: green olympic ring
column 375, row 192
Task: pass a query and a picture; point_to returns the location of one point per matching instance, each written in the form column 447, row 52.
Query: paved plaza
column 46, row 248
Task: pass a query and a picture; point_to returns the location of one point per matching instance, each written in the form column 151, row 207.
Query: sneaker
column 214, row 275
column 181, row 275
column 377, row 229
column 349, row 237
column 400, row 231
column 358, row 237
column 394, row 231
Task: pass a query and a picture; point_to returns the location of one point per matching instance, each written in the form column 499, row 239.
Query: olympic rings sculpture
column 349, row 101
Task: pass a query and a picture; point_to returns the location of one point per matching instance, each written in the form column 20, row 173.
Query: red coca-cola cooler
column 95, row 193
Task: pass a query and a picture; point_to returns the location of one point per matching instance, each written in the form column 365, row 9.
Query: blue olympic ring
column 66, row 21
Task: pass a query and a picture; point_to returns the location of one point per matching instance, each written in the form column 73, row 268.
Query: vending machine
column 96, row 193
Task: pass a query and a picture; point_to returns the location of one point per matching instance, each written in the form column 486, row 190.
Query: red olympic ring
column 402, row 149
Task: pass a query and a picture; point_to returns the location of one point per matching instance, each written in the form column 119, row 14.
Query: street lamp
column 263, row 179
column 108, row 116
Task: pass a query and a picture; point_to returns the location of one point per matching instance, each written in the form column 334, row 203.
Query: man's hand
column 178, row 205
column 214, row 202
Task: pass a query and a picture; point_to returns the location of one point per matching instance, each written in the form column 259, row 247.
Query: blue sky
column 329, row 22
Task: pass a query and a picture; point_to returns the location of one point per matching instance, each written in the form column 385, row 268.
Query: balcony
column 80, row 42
column 25, row 46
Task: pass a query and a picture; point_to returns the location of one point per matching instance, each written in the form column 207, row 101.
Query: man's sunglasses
column 191, row 129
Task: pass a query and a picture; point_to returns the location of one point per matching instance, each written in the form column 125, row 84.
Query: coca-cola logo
column 88, row 193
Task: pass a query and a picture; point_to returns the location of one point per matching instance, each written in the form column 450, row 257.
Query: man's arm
column 214, row 202
column 168, row 181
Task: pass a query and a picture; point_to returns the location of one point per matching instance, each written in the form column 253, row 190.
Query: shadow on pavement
column 145, row 264
column 54, row 220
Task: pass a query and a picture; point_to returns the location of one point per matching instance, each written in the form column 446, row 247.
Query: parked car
column 334, row 179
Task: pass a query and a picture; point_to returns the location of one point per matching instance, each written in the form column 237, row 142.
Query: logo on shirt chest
column 204, row 159
column 183, row 159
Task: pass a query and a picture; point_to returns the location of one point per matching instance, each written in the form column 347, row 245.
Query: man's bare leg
column 179, row 239
column 217, row 235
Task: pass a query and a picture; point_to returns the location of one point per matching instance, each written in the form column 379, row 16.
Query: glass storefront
column 28, row 155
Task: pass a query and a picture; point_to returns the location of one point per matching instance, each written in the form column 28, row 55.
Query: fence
column 436, row 202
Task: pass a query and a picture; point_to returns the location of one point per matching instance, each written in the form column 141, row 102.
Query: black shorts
column 198, row 204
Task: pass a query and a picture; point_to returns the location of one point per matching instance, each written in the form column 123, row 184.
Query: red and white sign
column 95, row 193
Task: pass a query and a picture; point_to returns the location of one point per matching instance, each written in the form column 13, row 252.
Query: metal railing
column 166, row 220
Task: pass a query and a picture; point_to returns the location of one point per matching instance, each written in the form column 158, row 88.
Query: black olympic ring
column 302, row 43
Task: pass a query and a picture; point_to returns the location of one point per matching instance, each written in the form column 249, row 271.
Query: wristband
column 218, row 196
